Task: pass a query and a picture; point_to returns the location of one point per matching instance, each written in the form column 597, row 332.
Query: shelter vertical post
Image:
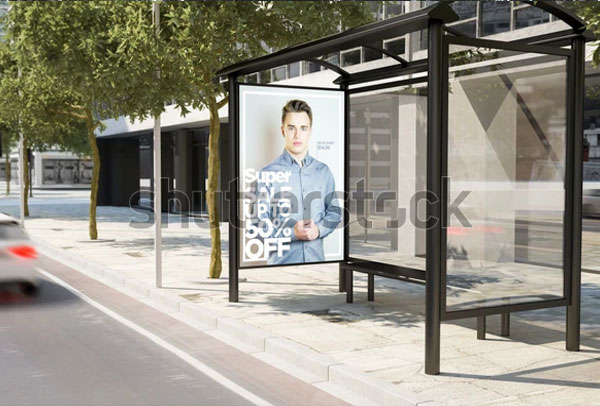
column 577, row 72
column 233, row 190
column 346, row 218
column 433, row 261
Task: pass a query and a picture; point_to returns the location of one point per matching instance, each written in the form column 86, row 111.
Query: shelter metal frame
column 436, row 66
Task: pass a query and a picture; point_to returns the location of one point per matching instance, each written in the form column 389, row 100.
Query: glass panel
column 387, row 167
column 350, row 58
column 591, row 174
column 530, row 16
column 465, row 9
column 506, row 156
column 495, row 17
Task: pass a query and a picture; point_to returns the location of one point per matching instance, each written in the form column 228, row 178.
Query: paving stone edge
column 320, row 370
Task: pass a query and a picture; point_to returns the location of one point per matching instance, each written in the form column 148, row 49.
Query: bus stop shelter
column 462, row 169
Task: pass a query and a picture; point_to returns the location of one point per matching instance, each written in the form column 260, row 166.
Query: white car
column 18, row 257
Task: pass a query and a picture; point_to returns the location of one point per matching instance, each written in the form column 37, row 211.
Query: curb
column 319, row 370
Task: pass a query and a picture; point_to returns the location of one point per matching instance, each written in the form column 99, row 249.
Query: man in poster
column 296, row 194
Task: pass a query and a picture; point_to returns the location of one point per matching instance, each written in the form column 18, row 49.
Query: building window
column 495, row 17
column 528, row 16
column 310, row 67
column 393, row 8
column 294, row 70
column 465, row 9
column 469, row 28
column 396, row 46
column 333, row 59
column 253, row 78
column 264, row 76
column 351, row 57
column 278, row 73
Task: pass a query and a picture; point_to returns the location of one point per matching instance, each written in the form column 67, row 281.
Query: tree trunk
column 214, row 166
column 95, row 173
column 25, row 177
column 7, row 171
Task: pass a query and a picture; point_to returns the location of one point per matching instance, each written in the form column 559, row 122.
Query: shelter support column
column 434, row 253
column 233, row 192
column 576, row 101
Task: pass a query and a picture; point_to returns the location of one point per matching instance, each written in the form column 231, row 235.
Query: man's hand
column 306, row 230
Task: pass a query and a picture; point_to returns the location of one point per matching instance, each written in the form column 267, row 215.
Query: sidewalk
column 384, row 339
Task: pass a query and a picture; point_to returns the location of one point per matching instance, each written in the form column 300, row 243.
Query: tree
column 9, row 141
column 84, row 62
column 38, row 133
column 203, row 37
column 589, row 11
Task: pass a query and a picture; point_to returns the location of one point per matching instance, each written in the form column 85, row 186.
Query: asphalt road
column 58, row 349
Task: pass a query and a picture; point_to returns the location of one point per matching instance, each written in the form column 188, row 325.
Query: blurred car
column 17, row 257
column 591, row 203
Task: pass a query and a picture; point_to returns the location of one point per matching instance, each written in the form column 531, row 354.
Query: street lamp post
column 157, row 174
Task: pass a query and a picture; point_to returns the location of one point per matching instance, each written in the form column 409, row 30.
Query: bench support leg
column 505, row 325
column 349, row 287
column 342, row 280
column 481, row 327
column 371, row 287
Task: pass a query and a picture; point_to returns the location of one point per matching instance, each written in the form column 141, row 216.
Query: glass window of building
column 333, row 58
column 393, row 8
column 370, row 54
column 279, row 73
column 310, row 67
column 468, row 28
column 528, row 16
column 264, row 76
column 465, row 9
column 396, row 46
column 495, row 17
column 253, row 78
column 351, row 57
column 294, row 70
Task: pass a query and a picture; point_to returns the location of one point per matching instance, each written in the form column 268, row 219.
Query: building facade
column 127, row 147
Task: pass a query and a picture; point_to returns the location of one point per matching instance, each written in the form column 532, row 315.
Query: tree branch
column 70, row 113
column 222, row 103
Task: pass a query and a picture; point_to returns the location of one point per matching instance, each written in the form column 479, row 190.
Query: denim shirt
column 310, row 191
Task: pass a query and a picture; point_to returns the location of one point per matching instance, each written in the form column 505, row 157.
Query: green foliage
column 203, row 37
column 589, row 11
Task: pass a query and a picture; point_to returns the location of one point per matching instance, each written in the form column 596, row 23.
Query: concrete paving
column 384, row 339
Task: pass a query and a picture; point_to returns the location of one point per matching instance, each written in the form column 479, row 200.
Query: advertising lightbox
column 291, row 173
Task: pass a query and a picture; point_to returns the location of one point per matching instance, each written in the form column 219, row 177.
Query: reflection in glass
column 506, row 157
column 387, row 167
column 530, row 16
column 465, row 9
column 495, row 17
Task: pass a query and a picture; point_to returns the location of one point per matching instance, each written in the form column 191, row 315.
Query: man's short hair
column 296, row 106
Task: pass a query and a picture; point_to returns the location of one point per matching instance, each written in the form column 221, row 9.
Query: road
column 85, row 343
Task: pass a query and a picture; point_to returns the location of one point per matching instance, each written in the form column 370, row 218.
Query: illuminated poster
column 292, row 174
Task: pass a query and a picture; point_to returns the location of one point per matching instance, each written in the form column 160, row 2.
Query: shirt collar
column 287, row 158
